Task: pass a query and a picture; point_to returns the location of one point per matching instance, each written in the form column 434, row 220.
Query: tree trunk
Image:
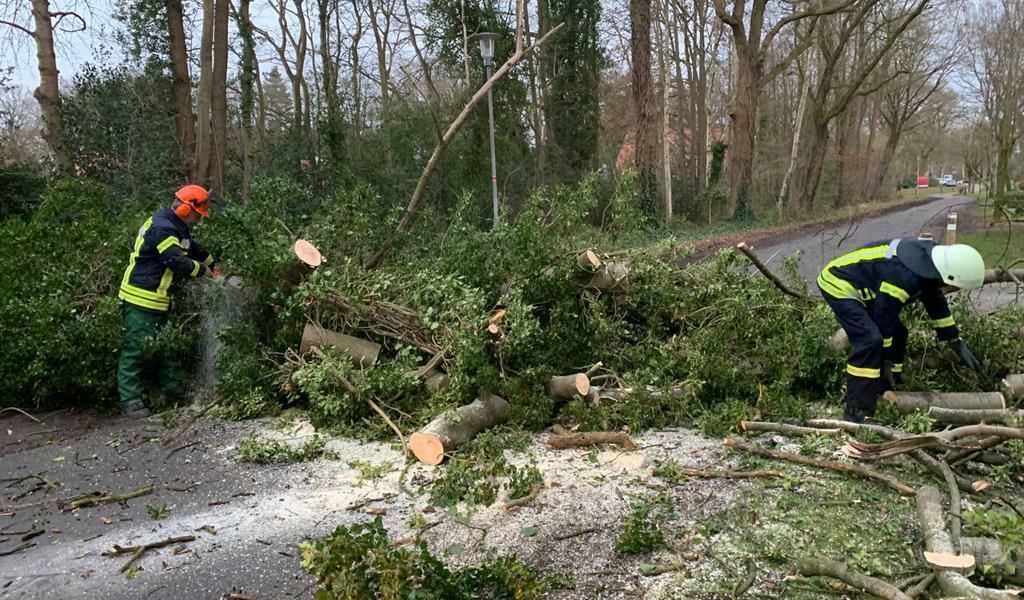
column 970, row 416
column 805, row 90
column 204, row 146
column 815, row 149
column 739, row 160
column 48, row 92
column 219, row 92
column 247, row 81
column 666, row 145
column 908, row 401
column 646, row 155
column 1003, row 152
column 881, row 190
column 363, row 353
column 452, row 428
column 181, row 86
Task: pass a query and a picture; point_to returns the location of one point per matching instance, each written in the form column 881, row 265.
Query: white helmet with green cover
column 959, row 265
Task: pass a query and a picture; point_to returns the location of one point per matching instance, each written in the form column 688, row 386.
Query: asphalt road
column 817, row 247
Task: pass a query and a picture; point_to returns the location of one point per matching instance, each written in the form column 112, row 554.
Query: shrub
column 358, row 561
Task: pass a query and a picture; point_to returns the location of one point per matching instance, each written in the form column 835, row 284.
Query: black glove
column 966, row 356
column 888, row 378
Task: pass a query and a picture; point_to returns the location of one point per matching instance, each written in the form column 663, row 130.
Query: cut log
column 307, row 253
column 363, row 353
column 610, row 276
column 1004, row 275
column 910, row 401
column 961, row 563
column 839, row 342
column 1013, row 386
column 588, row 261
column 452, row 428
column 567, row 387
column 784, row 429
column 585, row 439
column 989, row 553
column 958, row 416
column 936, row 540
column 436, row 380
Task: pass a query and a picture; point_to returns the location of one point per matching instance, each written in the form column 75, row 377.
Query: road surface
column 817, row 246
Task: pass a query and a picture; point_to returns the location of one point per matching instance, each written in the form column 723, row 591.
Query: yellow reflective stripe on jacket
column 139, row 240
column 943, row 322
column 130, row 297
column 863, row 372
column 195, row 269
column 894, row 291
column 897, row 368
column 167, row 243
column 887, row 342
column 165, row 283
column 837, row 287
column 208, row 261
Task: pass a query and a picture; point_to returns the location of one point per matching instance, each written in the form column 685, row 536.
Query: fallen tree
column 815, row 566
column 452, row 428
column 989, row 552
column 963, row 416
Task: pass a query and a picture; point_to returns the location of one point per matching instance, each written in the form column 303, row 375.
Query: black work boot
column 855, row 414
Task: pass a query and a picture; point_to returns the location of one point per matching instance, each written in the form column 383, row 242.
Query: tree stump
column 363, row 353
column 452, row 428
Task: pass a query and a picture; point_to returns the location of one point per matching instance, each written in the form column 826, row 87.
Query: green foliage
column 21, row 189
column 641, row 532
column 370, row 471
column 264, row 452
column 917, row 422
column 1003, row 525
column 118, row 125
column 522, row 480
column 358, row 561
column 575, row 59
column 60, row 318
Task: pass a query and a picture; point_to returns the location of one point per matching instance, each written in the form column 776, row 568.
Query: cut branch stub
column 839, row 341
column 567, row 387
column 436, row 380
column 363, row 353
column 909, row 401
column 452, row 428
column 961, row 563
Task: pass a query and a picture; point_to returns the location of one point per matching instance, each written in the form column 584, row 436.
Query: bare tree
column 843, row 76
column 921, row 62
column 45, row 22
column 752, row 52
column 996, row 66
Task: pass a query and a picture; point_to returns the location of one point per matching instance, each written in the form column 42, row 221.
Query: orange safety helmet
column 192, row 197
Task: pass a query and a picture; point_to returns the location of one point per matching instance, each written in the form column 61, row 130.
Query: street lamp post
column 487, row 41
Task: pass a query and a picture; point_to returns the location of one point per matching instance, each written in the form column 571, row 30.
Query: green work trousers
column 139, row 329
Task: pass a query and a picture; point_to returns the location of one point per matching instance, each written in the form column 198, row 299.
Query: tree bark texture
column 181, row 87
column 452, row 428
column 936, row 539
column 363, row 353
column 48, row 92
column 646, row 155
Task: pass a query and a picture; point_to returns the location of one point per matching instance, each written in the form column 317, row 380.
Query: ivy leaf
column 529, row 531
